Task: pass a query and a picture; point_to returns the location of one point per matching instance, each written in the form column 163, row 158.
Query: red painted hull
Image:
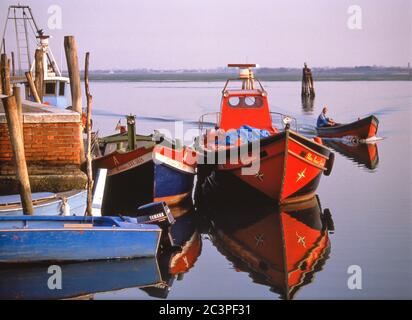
column 362, row 129
column 290, row 167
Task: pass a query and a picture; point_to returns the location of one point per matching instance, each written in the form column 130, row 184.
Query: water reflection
column 279, row 247
column 154, row 275
column 308, row 104
column 364, row 154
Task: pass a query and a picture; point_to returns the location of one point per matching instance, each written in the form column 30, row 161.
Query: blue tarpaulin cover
column 246, row 134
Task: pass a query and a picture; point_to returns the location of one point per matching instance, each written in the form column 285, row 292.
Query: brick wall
column 48, row 143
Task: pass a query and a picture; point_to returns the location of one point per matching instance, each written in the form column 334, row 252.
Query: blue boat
column 78, row 279
column 29, row 239
column 47, row 203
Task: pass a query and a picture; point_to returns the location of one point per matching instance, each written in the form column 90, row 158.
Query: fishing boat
column 55, row 85
column 279, row 247
column 148, row 170
column 364, row 154
column 29, row 239
column 29, row 282
column 246, row 146
column 362, row 129
column 47, row 203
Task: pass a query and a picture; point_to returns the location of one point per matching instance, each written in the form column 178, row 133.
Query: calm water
column 371, row 207
column 370, row 202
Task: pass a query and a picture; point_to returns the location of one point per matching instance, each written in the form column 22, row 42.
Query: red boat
column 277, row 161
column 149, row 171
column 361, row 129
column 280, row 247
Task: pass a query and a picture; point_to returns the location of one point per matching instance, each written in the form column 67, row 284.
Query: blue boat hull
column 40, row 239
column 171, row 184
column 30, row 282
column 77, row 202
column 148, row 182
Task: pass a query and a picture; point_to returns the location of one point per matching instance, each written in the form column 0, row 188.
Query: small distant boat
column 29, row 239
column 47, row 203
column 361, row 129
column 364, row 154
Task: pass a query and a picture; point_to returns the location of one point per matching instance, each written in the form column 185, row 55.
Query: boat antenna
column 245, row 74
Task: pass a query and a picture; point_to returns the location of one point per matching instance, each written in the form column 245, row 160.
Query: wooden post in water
column 89, row 137
column 70, row 49
column 16, row 140
column 33, row 89
column 39, row 72
column 307, row 82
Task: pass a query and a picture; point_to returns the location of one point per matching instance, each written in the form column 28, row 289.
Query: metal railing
column 285, row 120
column 212, row 119
column 205, row 123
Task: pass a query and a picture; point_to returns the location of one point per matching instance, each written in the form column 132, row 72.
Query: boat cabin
column 247, row 106
column 55, row 86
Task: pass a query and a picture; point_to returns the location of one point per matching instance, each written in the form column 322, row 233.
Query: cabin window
column 50, row 88
column 246, row 102
column 62, row 86
column 234, row 101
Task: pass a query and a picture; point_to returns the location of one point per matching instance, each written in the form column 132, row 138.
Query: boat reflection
column 281, row 247
column 178, row 260
column 364, row 154
column 154, row 276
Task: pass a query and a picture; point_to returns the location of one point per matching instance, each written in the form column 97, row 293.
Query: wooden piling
column 32, row 87
column 89, row 137
column 13, row 69
column 70, row 49
column 16, row 140
column 39, row 72
column 5, row 75
column 307, row 82
column 17, row 96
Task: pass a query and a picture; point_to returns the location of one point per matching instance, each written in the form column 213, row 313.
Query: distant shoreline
column 263, row 74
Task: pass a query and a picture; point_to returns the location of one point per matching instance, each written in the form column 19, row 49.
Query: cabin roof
column 254, row 92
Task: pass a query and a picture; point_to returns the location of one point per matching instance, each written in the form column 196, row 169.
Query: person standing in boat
column 323, row 120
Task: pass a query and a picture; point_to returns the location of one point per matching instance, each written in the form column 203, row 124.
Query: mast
column 245, row 74
column 23, row 21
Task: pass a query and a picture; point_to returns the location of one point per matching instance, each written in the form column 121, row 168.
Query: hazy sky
column 175, row 34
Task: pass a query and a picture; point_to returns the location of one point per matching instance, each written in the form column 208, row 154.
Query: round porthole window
column 234, row 101
column 250, row 101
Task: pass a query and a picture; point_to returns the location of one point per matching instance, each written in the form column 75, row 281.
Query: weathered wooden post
column 89, row 137
column 131, row 132
column 16, row 140
column 39, row 72
column 17, row 96
column 13, row 70
column 307, row 82
column 32, row 86
column 70, row 49
column 5, row 75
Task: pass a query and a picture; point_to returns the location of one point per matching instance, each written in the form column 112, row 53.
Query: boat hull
column 361, row 129
column 51, row 205
column 289, row 168
column 40, row 239
column 143, row 178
